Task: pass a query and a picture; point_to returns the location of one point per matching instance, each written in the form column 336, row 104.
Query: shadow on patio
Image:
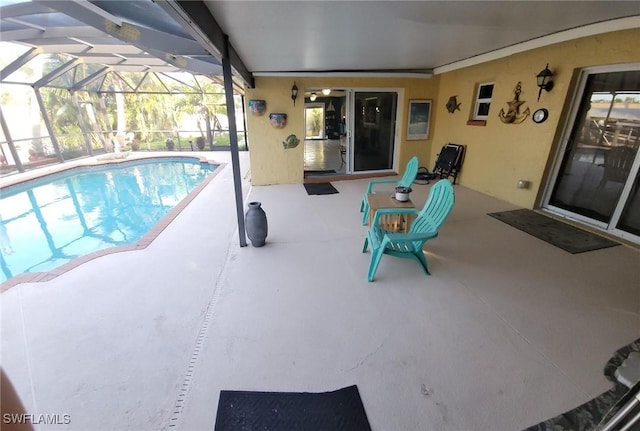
column 507, row 331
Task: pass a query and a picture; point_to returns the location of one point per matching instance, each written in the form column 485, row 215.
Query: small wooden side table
column 396, row 222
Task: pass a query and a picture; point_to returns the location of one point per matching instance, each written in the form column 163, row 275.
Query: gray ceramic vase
column 255, row 221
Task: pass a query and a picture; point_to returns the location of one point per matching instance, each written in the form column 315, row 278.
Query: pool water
column 47, row 222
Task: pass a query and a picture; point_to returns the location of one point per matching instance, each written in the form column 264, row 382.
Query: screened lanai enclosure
column 79, row 79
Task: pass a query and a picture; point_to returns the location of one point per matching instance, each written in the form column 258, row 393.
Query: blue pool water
column 47, row 222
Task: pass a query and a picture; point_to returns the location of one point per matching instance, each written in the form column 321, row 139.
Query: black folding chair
column 449, row 162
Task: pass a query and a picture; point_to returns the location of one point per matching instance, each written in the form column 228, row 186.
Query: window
column 483, row 101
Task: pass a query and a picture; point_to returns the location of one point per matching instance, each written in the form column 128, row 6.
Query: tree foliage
column 150, row 105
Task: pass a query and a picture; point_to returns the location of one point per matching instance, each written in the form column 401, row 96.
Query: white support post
column 47, row 122
column 12, row 147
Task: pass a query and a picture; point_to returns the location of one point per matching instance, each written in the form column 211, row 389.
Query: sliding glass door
column 373, row 138
column 629, row 221
column 596, row 179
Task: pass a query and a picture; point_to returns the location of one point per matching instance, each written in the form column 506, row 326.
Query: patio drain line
column 200, row 340
column 27, row 351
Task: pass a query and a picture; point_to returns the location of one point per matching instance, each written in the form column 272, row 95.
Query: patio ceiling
column 281, row 37
column 290, row 37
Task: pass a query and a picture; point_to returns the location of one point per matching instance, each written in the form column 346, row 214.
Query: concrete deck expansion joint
column 185, row 388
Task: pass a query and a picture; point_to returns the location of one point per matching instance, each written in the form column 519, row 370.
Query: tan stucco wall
column 272, row 164
column 498, row 154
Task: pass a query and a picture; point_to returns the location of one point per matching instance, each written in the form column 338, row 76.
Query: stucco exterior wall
column 498, row 154
column 272, row 164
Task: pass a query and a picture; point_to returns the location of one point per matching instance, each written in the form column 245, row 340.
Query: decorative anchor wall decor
column 513, row 115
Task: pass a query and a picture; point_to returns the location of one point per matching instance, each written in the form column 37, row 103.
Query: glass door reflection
column 597, row 179
column 374, row 130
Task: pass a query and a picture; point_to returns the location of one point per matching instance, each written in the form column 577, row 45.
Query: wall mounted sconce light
column 326, row 91
column 294, row 93
column 544, row 80
column 313, row 97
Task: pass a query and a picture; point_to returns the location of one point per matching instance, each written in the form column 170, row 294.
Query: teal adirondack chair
column 424, row 227
column 407, row 179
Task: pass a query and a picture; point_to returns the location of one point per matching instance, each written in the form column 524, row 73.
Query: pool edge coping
column 95, row 161
column 141, row 244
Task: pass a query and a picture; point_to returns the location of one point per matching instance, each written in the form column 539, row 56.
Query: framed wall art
column 418, row 119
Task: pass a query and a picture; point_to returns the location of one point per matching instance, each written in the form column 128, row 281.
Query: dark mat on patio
column 554, row 232
column 319, row 172
column 340, row 410
column 593, row 414
column 320, row 189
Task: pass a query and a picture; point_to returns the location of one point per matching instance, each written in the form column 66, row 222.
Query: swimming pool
column 49, row 221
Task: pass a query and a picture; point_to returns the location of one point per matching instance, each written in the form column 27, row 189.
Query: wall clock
column 540, row 115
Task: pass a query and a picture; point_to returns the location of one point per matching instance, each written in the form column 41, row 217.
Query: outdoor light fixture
column 313, row 97
column 544, row 80
column 326, row 91
column 294, row 93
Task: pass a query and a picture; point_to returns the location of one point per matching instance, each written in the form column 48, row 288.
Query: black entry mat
column 320, row 172
column 554, row 232
column 340, row 410
column 320, row 189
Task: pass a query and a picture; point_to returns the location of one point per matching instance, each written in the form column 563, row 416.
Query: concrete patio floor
column 507, row 331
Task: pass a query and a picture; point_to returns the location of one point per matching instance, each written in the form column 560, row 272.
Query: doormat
column 563, row 235
column 340, row 410
column 320, row 172
column 320, row 189
column 594, row 414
